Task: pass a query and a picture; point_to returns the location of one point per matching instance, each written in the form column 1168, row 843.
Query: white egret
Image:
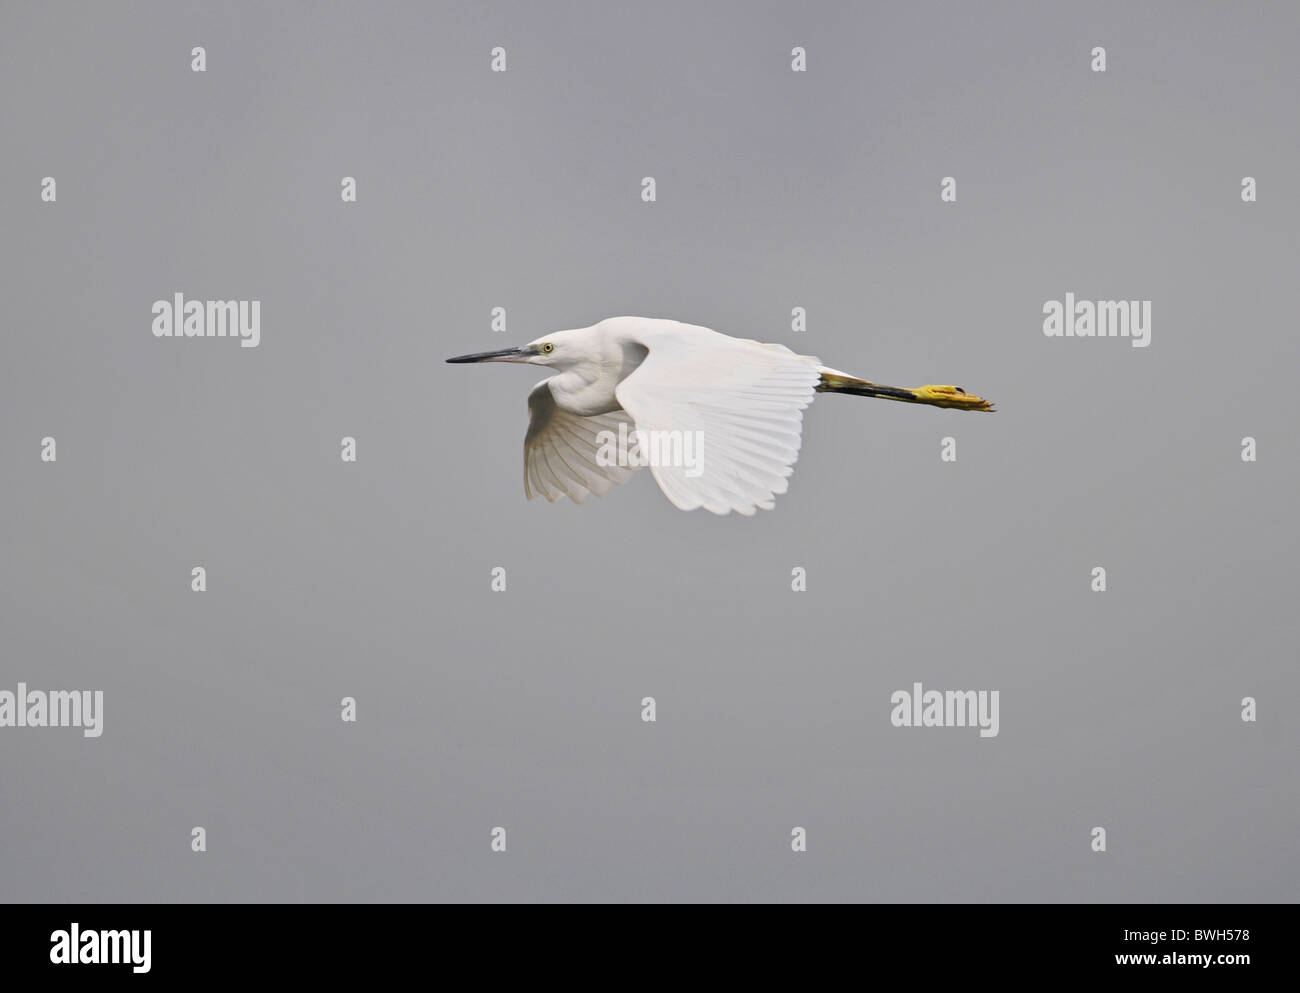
column 729, row 411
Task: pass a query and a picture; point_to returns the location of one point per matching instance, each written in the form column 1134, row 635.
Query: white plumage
column 717, row 419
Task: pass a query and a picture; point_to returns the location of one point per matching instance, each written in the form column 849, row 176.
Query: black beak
column 522, row 354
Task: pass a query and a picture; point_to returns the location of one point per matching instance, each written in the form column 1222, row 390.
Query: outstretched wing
column 562, row 450
column 741, row 403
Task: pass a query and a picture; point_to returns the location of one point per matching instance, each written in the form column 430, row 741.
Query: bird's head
column 554, row 350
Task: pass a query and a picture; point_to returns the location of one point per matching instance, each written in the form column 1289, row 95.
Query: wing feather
column 745, row 400
column 561, row 450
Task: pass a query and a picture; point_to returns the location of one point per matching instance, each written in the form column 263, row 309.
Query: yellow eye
column 548, row 348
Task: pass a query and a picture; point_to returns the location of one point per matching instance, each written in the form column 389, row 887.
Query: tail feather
column 953, row 397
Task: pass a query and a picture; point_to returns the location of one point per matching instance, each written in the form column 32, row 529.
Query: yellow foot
column 951, row 396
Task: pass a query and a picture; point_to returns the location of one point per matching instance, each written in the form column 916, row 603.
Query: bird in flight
column 717, row 419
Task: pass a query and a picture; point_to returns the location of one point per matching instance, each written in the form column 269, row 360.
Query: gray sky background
column 775, row 190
